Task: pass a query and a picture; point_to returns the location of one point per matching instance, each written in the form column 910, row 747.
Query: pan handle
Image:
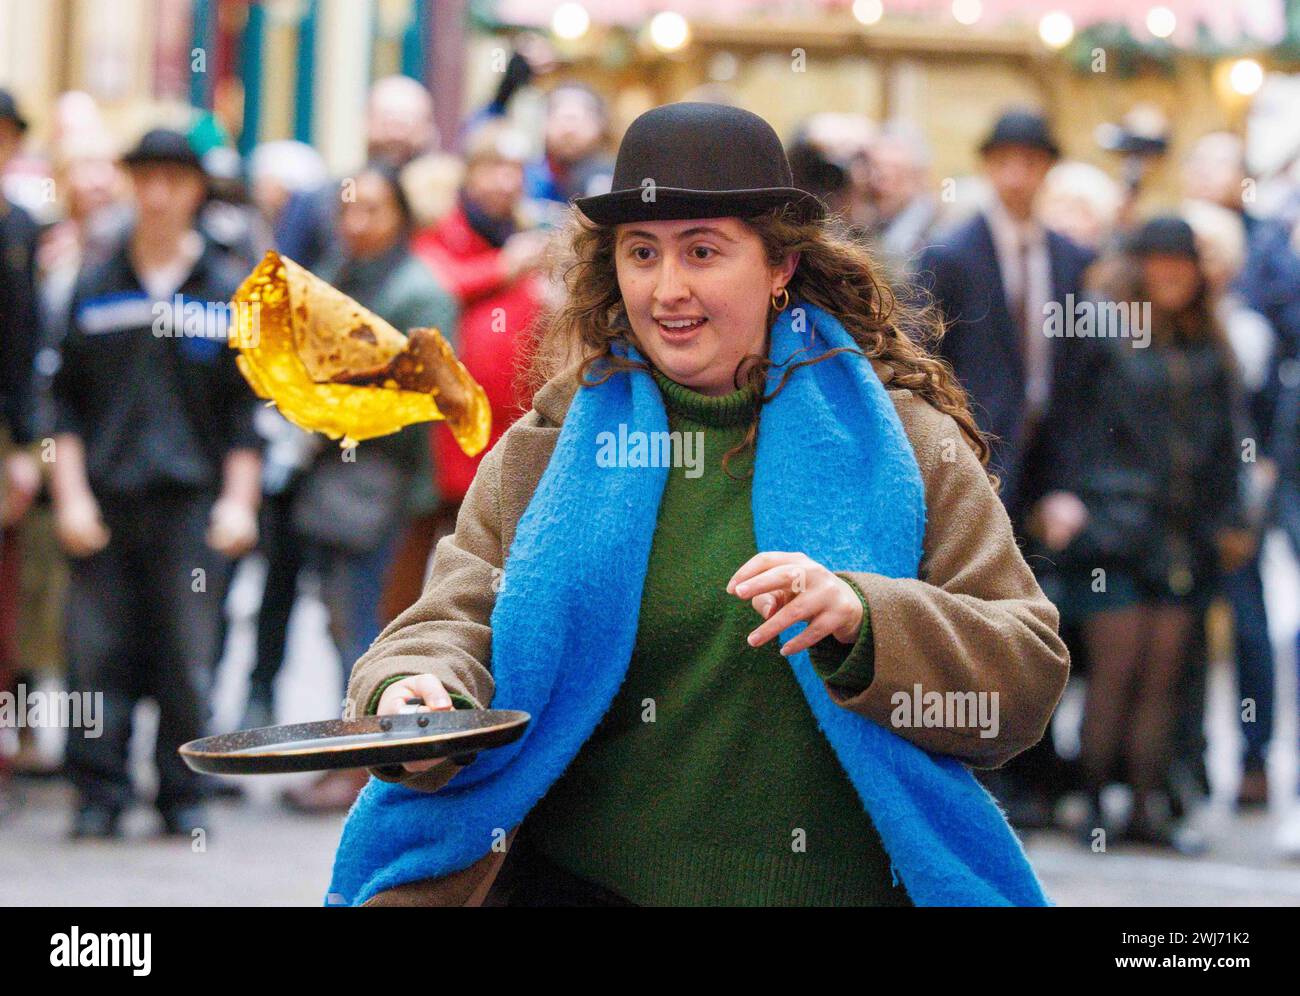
column 412, row 705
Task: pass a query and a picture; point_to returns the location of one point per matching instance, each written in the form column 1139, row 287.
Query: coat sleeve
column 974, row 621
column 70, row 385
column 447, row 631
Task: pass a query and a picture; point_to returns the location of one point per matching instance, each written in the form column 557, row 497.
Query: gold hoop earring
column 784, row 303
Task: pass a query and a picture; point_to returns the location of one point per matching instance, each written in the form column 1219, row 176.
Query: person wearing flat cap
column 744, row 567
column 156, row 483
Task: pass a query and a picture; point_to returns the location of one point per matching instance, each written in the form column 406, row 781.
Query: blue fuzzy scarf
column 834, row 477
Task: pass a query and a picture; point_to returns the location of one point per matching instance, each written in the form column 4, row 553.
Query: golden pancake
column 331, row 366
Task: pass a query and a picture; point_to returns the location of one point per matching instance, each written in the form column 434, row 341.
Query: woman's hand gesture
column 785, row 588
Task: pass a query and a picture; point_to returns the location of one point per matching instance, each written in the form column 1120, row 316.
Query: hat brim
column 1051, row 148
column 137, row 158
column 677, row 204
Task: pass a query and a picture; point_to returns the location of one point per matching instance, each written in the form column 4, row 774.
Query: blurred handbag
column 1123, row 519
column 351, row 505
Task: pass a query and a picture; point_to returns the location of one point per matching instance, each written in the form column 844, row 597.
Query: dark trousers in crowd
column 142, row 621
column 1188, row 779
column 287, row 552
column 1245, row 591
column 10, row 552
column 351, row 586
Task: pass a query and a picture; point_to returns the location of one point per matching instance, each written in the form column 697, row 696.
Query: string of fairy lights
column 669, row 31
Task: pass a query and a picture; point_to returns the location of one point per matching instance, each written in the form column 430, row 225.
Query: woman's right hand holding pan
column 424, row 687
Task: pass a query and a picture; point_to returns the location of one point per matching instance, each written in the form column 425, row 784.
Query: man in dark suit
column 993, row 278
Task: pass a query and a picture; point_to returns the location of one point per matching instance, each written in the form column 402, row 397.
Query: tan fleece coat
column 975, row 619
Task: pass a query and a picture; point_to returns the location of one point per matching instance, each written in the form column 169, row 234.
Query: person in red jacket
column 480, row 255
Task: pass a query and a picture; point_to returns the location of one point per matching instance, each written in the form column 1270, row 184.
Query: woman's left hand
column 785, row 588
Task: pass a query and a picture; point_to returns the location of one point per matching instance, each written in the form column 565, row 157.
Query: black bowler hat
column 162, row 145
column 1022, row 128
column 9, row 110
column 698, row 160
column 1167, row 234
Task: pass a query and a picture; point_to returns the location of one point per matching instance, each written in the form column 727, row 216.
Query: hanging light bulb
column 570, row 21
column 1056, row 29
column 967, row 11
column 1161, row 21
column 669, row 31
column 868, row 12
column 1246, row 76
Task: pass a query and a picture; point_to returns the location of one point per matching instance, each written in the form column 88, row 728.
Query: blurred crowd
column 1141, row 465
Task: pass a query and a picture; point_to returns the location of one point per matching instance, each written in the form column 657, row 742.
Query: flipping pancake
column 334, row 367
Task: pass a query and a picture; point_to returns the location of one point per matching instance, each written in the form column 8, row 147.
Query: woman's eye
column 641, row 249
column 702, row 252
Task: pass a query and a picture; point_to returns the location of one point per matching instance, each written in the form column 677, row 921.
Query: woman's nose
column 670, row 286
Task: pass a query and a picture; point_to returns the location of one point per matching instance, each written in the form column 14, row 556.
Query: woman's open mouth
column 679, row 329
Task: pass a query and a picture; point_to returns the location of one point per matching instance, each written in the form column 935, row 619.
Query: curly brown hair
column 836, row 272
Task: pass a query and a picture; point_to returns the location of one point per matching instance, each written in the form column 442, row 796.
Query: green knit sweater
column 708, row 781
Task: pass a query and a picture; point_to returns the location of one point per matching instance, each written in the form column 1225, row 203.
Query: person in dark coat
column 155, row 483
column 993, row 278
column 20, row 319
column 1150, row 463
column 20, row 476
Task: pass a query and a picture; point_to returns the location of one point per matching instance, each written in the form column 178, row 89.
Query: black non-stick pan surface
column 372, row 741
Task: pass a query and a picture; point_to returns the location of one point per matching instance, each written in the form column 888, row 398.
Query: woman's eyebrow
column 637, row 233
column 706, row 230
column 685, row 233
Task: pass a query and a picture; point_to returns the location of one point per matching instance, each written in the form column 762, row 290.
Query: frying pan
column 372, row 741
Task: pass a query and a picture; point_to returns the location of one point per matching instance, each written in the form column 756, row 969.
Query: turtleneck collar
column 736, row 408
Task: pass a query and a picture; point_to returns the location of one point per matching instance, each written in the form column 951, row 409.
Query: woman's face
column 495, row 186
column 1171, row 281
column 710, row 273
column 371, row 222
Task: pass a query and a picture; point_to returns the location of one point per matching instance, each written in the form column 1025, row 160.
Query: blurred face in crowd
column 270, row 195
column 1214, row 170
column 495, row 185
column 573, row 126
column 895, row 177
column 91, row 185
column 167, row 196
column 1017, row 173
column 399, row 120
column 10, row 139
column 1171, row 281
column 371, row 223
column 710, row 279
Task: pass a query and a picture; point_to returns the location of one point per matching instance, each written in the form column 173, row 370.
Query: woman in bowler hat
column 726, row 659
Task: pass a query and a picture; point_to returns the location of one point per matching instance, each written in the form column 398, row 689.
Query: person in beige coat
column 728, row 793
